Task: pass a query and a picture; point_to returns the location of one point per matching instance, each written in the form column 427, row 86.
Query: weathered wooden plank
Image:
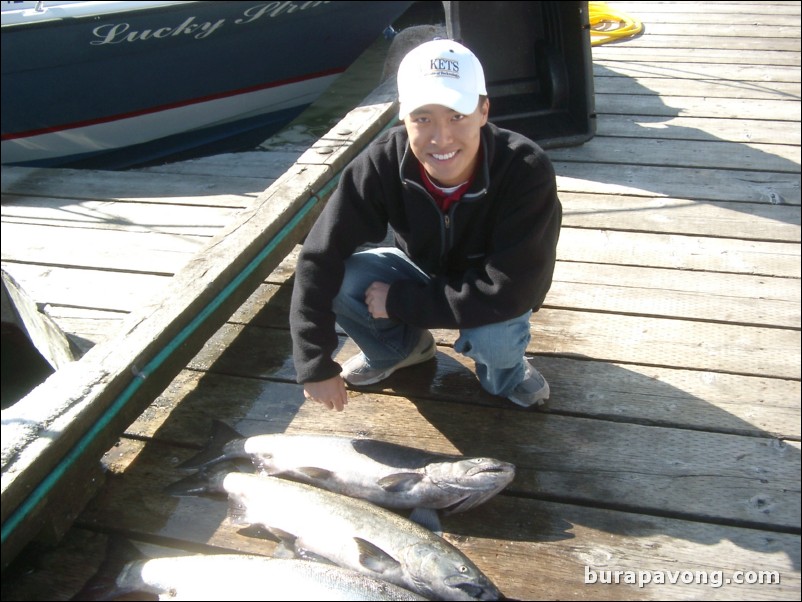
column 677, row 294
column 158, row 253
column 86, row 327
column 692, row 128
column 699, row 475
column 599, row 409
column 638, row 339
column 147, row 252
column 84, row 288
column 719, row 348
column 632, row 54
column 270, row 165
column 756, row 13
column 680, row 252
column 679, row 182
column 71, row 401
column 725, row 28
column 580, row 386
column 635, row 104
column 130, row 185
column 611, row 82
column 21, row 312
column 685, row 153
column 749, row 350
column 83, row 409
column 57, row 572
column 633, row 290
column 128, row 216
column 505, row 537
column 286, row 269
column 755, row 221
column 735, row 73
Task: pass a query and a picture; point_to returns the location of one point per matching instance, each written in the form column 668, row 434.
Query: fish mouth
column 498, row 469
column 481, row 590
column 495, row 475
column 480, row 479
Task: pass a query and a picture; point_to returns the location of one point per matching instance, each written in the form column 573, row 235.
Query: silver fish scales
column 387, row 474
column 241, row 577
column 352, row 533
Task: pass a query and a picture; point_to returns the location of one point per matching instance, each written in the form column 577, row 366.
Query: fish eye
column 463, row 569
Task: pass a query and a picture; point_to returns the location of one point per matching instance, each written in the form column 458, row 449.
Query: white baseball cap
column 440, row 72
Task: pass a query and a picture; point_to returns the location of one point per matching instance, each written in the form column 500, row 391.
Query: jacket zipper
column 445, row 222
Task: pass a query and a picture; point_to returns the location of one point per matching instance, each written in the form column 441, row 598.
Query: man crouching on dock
column 475, row 216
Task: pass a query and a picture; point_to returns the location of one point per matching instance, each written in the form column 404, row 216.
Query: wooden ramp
column 670, row 448
column 170, row 289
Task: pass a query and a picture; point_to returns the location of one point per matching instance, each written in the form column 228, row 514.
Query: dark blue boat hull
column 65, row 79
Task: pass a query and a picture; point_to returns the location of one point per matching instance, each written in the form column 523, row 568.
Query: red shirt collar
column 444, row 201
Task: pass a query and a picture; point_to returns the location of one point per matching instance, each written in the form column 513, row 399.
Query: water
column 356, row 82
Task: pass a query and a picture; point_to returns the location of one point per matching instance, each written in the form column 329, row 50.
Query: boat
column 115, row 85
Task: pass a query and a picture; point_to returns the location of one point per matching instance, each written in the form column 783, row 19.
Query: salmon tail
column 214, row 451
column 103, row 584
column 208, row 481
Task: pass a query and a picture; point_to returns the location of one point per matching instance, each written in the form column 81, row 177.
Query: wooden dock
column 670, row 448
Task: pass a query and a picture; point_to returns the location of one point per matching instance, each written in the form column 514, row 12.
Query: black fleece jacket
column 491, row 256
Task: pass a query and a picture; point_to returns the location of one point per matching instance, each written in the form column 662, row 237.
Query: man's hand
column 331, row 393
column 376, row 299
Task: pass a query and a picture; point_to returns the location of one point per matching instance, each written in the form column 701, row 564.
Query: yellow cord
column 607, row 24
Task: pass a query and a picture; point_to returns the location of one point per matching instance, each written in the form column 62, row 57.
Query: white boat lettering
column 122, row 32
column 274, row 9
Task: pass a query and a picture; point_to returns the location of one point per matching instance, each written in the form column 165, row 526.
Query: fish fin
column 213, row 451
column 103, row 584
column 207, row 481
column 374, row 558
column 284, row 537
column 428, row 518
column 312, row 472
column 257, row 531
column 196, row 484
column 201, row 483
column 400, row 481
column 470, row 501
column 309, row 475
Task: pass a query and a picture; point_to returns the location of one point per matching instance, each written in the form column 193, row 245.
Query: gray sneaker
column 356, row 371
column 532, row 390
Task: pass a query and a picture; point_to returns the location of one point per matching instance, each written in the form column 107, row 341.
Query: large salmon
column 387, row 474
column 236, row 577
column 352, row 533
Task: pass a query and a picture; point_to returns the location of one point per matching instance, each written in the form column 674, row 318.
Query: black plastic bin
column 537, row 62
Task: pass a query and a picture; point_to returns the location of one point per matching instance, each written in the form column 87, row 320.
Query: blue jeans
column 496, row 349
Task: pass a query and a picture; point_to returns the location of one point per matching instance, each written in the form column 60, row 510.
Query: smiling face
column 446, row 142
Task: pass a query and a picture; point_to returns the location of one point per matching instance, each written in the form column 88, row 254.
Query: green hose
column 39, row 492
